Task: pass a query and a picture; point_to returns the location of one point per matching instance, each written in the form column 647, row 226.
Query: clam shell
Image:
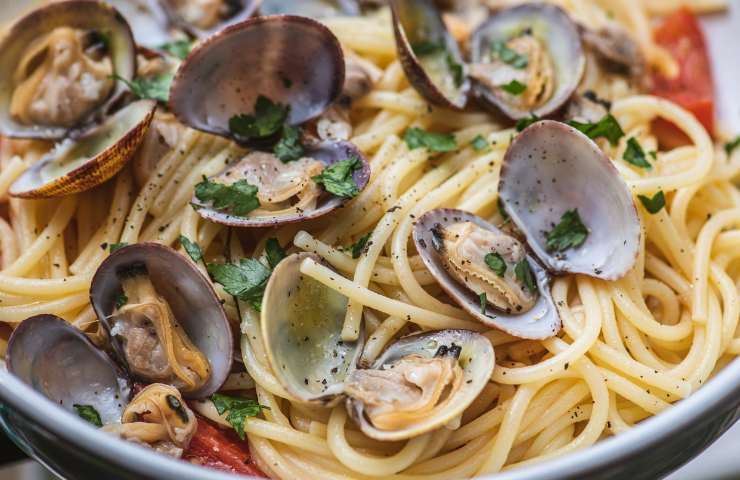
column 79, row 14
column 148, row 22
column 540, row 322
column 291, row 60
column 59, row 361
column 248, row 8
column 101, row 153
column 555, row 30
column 476, row 358
column 310, row 8
column 301, row 327
column 550, row 168
column 190, row 295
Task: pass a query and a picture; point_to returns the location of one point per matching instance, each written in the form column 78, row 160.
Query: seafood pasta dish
column 403, row 239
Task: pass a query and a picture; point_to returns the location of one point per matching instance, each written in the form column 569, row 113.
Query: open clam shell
column 59, row 361
column 310, row 8
column 474, row 355
column 327, row 153
column 148, row 21
column 551, row 168
column 301, row 326
column 82, row 162
column 429, row 54
column 291, row 60
column 189, row 294
column 540, row 322
column 97, row 17
column 554, row 40
column 201, row 20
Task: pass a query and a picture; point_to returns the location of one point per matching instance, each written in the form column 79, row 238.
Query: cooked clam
column 202, row 18
column 420, row 383
column 165, row 322
column 429, row 55
column 301, row 326
column 90, row 158
column 148, row 21
column 310, row 8
column 617, row 50
column 543, row 188
column 59, row 361
column 527, row 60
column 487, row 272
column 57, row 68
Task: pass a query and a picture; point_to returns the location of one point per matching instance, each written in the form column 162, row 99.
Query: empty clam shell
column 540, row 321
column 85, row 161
column 59, row 361
column 373, row 391
column 99, row 18
column 551, row 168
column 301, row 326
column 293, row 61
column 190, row 296
column 202, row 19
column 310, row 8
column 536, row 45
column 429, row 54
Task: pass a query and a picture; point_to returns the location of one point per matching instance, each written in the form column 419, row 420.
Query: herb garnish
column 427, row 47
column 514, row 87
column 289, row 147
column 89, row 414
column 483, row 302
column 192, row 248
column 114, row 247
column 121, row 300
column 238, row 409
column 523, row 273
column 239, row 198
column 458, row 72
column 359, row 246
column 434, row 142
column 480, row 143
column 569, row 233
column 150, row 88
column 337, row 178
column 607, row 127
column 523, row 123
column 267, row 120
column 178, row 49
column 496, row 263
column 274, row 252
column 732, row 145
column 246, row 280
column 508, row 55
column 635, row 155
column 654, row 204
column 502, row 210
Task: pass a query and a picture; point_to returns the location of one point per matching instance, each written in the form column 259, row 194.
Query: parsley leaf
column 246, row 280
column 337, row 178
column 434, row 142
column 89, row 414
column 569, row 233
column 514, row 87
column 732, row 145
column 523, row 123
column 121, row 300
column 239, row 198
column 238, row 409
column 635, row 155
column 114, row 247
column 193, row 249
column 274, row 252
column 359, row 246
column 428, row 47
column 289, row 148
column 502, row 210
column 457, row 70
column 508, row 55
column 267, row 120
column 523, row 273
column 154, row 88
column 178, row 49
column 483, row 302
column 496, row 263
column 607, row 127
column 479, row 143
column 654, row 204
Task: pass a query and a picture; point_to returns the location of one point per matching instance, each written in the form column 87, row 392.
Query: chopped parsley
column 523, row 273
column 150, row 88
column 274, row 252
column 192, row 248
column 569, row 233
column 434, row 142
column 289, row 148
column 114, row 247
column 480, row 143
column 267, row 120
column 239, row 198
column 635, row 155
column 732, row 145
column 508, row 55
column 514, row 87
column 121, row 300
column 607, row 127
column 457, row 70
column 502, row 210
column 359, row 246
column 246, row 280
column 496, row 263
column 523, row 123
column 427, row 47
column 238, row 409
column 89, row 414
column 653, row 204
column 483, row 302
column 337, row 178
column 178, row 49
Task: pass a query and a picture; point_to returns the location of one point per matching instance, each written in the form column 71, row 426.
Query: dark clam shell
column 240, row 10
column 59, row 361
column 190, row 295
column 310, row 8
column 541, row 322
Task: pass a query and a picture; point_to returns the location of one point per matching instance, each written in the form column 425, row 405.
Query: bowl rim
column 720, row 393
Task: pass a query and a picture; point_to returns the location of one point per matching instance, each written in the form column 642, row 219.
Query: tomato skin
column 693, row 87
column 213, row 447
